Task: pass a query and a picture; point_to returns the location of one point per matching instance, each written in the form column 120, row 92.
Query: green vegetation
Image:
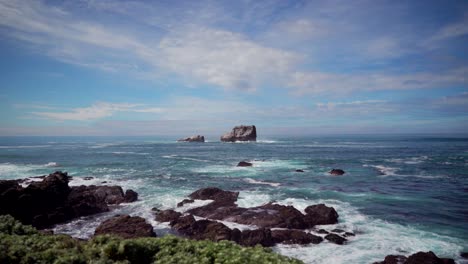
column 24, row 244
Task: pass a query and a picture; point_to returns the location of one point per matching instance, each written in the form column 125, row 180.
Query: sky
column 112, row 68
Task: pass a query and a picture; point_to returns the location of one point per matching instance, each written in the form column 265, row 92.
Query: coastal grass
column 24, row 244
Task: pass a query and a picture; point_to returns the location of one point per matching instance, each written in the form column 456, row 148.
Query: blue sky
column 102, row 67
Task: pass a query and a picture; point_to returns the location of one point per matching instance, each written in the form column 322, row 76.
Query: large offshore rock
column 240, row 133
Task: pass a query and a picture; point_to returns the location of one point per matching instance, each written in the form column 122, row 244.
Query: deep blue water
column 400, row 194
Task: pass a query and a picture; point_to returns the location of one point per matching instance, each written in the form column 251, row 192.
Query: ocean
column 400, row 194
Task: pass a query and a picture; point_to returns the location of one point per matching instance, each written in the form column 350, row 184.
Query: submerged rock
column 240, row 133
column 196, row 138
column 337, row 239
column 337, row 172
column 244, row 164
column 126, row 226
column 299, row 170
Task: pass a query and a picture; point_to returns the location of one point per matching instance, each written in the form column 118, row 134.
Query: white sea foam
column 24, row 147
column 250, row 180
column 15, row 171
column 52, row 164
column 373, row 241
column 411, row 160
column 252, row 198
column 385, row 170
column 183, row 158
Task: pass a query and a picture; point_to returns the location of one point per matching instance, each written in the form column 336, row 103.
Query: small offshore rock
column 299, row 170
column 337, row 172
column 244, row 164
column 320, row 214
column 130, row 196
column 334, row 238
column 196, row 138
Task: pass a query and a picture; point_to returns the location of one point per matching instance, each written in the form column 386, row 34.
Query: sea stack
column 240, row 133
column 196, row 138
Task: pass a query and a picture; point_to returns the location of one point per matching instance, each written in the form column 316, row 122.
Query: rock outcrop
column 337, row 172
column 51, row 201
column 244, row 164
column 196, row 138
column 321, row 214
column 416, row 258
column 240, row 133
column 125, row 226
column 334, row 238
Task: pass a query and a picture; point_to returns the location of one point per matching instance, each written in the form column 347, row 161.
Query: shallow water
column 399, row 194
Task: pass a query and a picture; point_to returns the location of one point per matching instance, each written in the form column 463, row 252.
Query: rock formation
column 244, row 164
column 240, row 133
column 416, row 258
column 337, row 172
column 125, row 226
column 196, row 138
column 52, row 201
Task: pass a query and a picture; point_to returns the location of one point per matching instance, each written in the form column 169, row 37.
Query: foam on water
column 252, row 198
column 183, row 158
column 18, row 171
column 252, row 181
column 52, row 164
column 373, row 241
column 384, row 170
column 412, row 160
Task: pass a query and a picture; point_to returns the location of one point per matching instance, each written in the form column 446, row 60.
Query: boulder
column 334, row 238
column 167, row 215
column 216, row 194
column 240, row 133
column 183, row 224
column 244, row 164
column 320, row 214
column 392, row 259
column 251, row 238
column 426, row 258
column 196, row 138
column 130, row 196
column 294, row 237
column 337, row 172
column 126, row 226
column 214, row 231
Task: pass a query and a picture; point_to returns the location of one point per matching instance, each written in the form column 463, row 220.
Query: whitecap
column 52, row 164
column 384, row 170
column 273, row 184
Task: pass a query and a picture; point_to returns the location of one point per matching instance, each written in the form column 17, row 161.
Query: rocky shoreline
column 52, row 201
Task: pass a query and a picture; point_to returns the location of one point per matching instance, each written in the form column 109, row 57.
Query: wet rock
column 392, row 259
column 320, row 214
column 298, row 170
column 334, row 238
column 424, row 258
column 256, row 237
column 196, row 138
column 185, row 201
column 294, row 237
column 212, row 230
column 244, row 164
column 337, row 172
column 337, row 230
column 130, row 196
column 322, row 231
column 348, row 234
column 88, row 178
column 167, row 215
column 216, row 194
column 183, row 224
column 464, row 255
column 241, row 133
column 126, row 226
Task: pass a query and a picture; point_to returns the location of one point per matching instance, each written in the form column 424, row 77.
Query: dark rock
column 322, row 231
column 212, row 230
column 241, row 133
column 464, row 255
column 334, row 238
column 216, row 194
column 337, row 230
column 52, row 201
column 183, row 224
column 393, row 259
column 337, row 172
column 196, row 138
column 256, row 237
column 424, row 258
column 185, row 201
column 126, row 226
column 299, row 170
column 88, row 178
column 167, row 215
column 320, row 214
column 447, row 261
column 130, row 196
column 348, row 234
column 294, row 237
column 244, row 164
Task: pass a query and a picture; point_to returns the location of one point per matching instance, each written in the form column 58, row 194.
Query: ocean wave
column 384, row 170
column 411, row 160
column 24, row 147
column 183, row 158
column 273, row 184
column 52, row 164
column 129, row 153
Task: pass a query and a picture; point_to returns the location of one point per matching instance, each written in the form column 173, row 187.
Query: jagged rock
column 126, row 226
column 337, row 172
column 196, row 138
column 185, row 201
column 52, row 201
column 256, row 237
column 294, row 237
column 241, row 133
column 392, row 259
column 426, row 258
column 244, row 164
column 334, row 238
column 183, row 224
column 320, row 214
column 167, row 215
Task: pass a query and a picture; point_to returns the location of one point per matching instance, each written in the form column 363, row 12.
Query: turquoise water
column 399, row 194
